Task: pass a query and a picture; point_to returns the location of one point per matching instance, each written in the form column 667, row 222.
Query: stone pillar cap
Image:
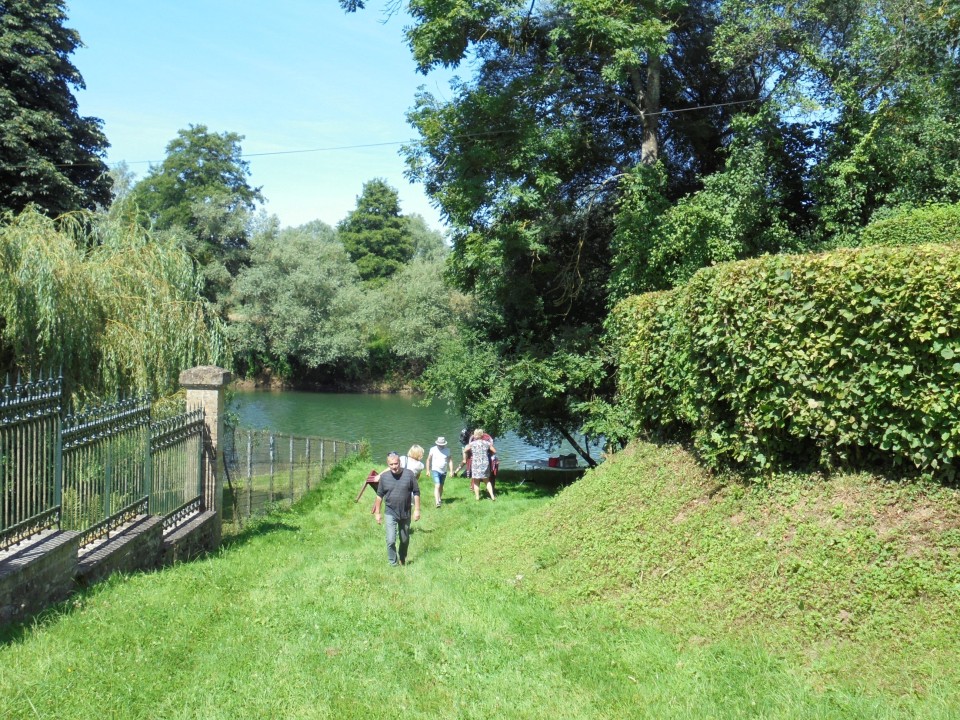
column 205, row 376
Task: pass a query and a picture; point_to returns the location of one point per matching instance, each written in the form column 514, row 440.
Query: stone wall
column 194, row 538
column 137, row 547
column 37, row 573
column 48, row 568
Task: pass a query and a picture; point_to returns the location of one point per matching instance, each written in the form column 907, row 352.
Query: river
column 386, row 421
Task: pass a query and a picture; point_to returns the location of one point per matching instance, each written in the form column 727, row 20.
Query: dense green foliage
column 201, row 188
column 49, row 154
column 599, row 150
column 375, row 234
column 752, row 206
column 112, row 308
column 298, row 303
column 848, row 356
column 931, row 224
column 876, row 81
column 526, row 160
column 301, row 311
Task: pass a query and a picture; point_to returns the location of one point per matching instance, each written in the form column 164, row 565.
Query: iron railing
column 176, row 475
column 96, row 470
column 103, row 466
column 29, row 456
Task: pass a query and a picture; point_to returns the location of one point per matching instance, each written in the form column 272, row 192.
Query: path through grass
column 301, row 617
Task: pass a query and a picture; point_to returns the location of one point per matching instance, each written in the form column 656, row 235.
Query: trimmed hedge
column 848, row 355
column 931, row 224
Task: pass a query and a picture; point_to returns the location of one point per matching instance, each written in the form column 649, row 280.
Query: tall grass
column 299, row 616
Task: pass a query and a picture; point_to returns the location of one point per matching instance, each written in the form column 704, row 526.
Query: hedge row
column 848, row 355
column 931, row 224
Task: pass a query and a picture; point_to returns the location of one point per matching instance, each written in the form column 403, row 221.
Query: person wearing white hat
column 439, row 464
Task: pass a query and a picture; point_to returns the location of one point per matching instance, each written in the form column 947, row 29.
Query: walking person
column 395, row 488
column 479, row 451
column 439, row 463
column 412, row 461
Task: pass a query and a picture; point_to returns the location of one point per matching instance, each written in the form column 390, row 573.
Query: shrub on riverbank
column 847, row 356
column 932, row 224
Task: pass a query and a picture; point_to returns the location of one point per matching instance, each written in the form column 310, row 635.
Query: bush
column 931, row 224
column 852, row 355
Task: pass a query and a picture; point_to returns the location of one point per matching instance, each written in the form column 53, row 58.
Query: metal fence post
column 249, row 473
column 273, row 453
column 108, row 479
column 293, row 492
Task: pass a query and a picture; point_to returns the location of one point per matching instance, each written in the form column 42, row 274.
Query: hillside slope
column 853, row 575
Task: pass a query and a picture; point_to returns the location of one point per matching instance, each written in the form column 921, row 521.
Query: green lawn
column 530, row 607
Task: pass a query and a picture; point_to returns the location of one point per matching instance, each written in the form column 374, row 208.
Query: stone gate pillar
column 205, row 387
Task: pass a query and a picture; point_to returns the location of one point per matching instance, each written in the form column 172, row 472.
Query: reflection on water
column 387, row 421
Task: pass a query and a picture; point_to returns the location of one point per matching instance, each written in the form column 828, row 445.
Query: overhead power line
column 336, row 148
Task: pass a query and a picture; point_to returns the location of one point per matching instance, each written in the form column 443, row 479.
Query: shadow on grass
column 18, row 630
column 254, row 530
column 534, row 488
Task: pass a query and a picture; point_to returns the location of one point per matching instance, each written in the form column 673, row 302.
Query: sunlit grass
column 299, row 616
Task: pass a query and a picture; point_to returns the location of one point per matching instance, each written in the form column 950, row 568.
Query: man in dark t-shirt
column 395, row 487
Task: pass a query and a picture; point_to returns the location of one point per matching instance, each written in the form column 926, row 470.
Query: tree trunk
column 650, row 109
column 584, row 453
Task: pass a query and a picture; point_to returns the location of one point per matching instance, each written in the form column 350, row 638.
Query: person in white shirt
column 438, row 465
column 411, row 461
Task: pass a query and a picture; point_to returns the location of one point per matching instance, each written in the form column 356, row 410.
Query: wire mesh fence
column 266, row 470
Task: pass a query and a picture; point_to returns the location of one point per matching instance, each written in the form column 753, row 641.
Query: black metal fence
column 94, row 470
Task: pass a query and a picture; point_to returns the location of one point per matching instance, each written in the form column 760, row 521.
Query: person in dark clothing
column 395, row 488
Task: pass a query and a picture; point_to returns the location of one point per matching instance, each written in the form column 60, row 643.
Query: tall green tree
column 377, row 236
column 879, row 80
column 416, row 312
column 427, row 242
column 528, row 160
column 49, row 155
column 600, row 149
column 299, row 305
column 202, row 187
column 111, row 306
column 758, row 203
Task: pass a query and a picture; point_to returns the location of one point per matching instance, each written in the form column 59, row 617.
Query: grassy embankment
column 645, row 590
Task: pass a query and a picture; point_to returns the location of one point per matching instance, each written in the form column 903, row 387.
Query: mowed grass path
column 301, row 617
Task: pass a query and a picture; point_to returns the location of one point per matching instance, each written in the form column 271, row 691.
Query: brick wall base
column 47, row 568
column 136, row 548
column 37, row 573
column 192, row 539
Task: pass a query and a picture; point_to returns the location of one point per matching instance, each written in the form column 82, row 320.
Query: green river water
column 387, row 421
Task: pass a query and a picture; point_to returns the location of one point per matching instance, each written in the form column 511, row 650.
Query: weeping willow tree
column 115, row 309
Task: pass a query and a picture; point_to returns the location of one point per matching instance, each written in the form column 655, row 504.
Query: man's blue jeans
column 395, row 527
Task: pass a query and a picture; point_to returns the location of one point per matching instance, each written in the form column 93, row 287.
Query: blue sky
column 291, row 76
